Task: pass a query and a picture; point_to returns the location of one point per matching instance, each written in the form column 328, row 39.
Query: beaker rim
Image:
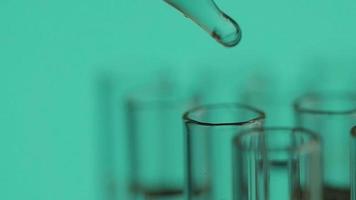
column 259, row 115
column 322, row 97
column 311, row 145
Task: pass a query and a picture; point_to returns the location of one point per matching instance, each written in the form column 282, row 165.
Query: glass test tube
column 156, row 142
column 277, row 163
column 331, row 116
column 209, row 132
column 265, row 94
column 353, row 163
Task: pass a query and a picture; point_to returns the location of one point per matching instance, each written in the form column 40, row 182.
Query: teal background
column 65, row 65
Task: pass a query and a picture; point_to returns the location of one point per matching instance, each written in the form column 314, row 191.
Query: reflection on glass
column 209, row 132
column 156, row 141
column 277, row 163
column 332, row 116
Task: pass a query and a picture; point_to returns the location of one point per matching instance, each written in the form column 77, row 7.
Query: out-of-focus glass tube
column 155, row 136
column 209, row 132
column 277, row 163
column 331, row 116
column 265, row 92
column 353, row 163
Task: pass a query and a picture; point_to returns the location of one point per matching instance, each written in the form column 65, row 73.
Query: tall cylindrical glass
column 155, row 139
column 277, row 163
column 353, row 163
column 331, row 116
column 209, row 132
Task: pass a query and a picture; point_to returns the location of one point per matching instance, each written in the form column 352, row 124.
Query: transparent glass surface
column 330, row 115
column 277, row 163
column 209, row 17
column 266, row 93
column 209, row 132
column 155, row 139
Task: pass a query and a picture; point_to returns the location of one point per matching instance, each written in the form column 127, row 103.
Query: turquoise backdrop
column 65, row 66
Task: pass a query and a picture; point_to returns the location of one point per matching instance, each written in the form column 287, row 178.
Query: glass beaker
column 277, row 163
column 209, row 132
column 331, row 116
column 156, row 141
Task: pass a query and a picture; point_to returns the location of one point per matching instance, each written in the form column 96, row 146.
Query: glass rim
column 260, row 115
column 311, row 145
column 298, row 103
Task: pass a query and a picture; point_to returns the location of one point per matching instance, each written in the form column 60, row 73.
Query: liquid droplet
column 208, row 16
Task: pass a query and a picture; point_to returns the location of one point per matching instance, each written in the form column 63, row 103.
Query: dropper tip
column 207, row 15
column 229, row 36
column 229, row 40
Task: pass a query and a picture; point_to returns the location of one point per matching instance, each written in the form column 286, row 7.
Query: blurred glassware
column 111, row 182
column 277, row 163
column 156, row 140
column 331, row 116
column 353, row 163
column 209, row 132
column 266, row 92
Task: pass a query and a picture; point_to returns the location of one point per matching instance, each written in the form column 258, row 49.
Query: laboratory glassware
column 209, row 132
column 331, row 115
column 277, row 163
column 155, row 140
